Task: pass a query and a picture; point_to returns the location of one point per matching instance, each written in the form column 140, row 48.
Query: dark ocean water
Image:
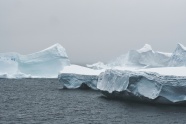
column 42, row 101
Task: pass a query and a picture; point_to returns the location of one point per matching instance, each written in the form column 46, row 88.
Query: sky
column 91, row 30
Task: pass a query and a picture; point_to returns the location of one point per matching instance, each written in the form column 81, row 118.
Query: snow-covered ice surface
column 44, row 64
column 169, row 71
column 76, row 69
column 143, row 86
column 75, row 76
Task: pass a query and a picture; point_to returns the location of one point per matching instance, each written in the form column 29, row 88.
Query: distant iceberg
column 142, row 58
column 178, row 57
column 146, row 58
column 46, row 63
column 97, row 66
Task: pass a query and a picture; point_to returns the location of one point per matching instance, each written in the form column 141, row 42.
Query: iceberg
column 143, row 86
column 97, row 66
column 178, row 57
column 75, row 76
column 143, row 62
column 144, row 57
column 46, row 63
column 9, row 63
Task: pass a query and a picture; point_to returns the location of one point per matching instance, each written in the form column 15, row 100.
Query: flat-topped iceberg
column 75, row 76
column 143, row 86
column 46, row 63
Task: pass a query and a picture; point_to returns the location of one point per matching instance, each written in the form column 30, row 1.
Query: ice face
column 73, row 81
column 113, row 81
column 143, row 86
column 75, row 76
column 8, row 63
column 46, row 63
column 178, row 57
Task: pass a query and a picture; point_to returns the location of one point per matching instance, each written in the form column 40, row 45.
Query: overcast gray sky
column 91, row 30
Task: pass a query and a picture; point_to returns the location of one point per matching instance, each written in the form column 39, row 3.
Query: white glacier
column 46, row 63
column 75, row 76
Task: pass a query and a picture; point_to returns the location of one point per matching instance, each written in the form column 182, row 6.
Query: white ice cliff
column 75, row 76
column 143, row 86
column 46, row 63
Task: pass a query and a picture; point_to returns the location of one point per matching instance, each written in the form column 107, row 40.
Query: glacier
column 75, row 76
column 46, row 63
column 143, row 86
